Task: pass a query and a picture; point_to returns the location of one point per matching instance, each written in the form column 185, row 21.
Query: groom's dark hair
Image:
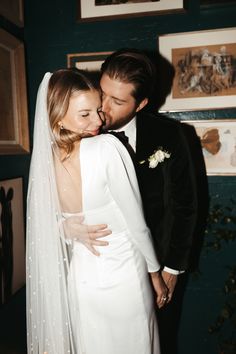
column 132, row 66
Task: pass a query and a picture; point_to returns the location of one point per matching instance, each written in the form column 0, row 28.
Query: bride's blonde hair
column 62, row 85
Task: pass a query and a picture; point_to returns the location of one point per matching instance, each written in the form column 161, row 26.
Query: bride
column 78, row 301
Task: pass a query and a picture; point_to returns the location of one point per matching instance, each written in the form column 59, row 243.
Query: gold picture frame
column 95, row 10
column 14, row 133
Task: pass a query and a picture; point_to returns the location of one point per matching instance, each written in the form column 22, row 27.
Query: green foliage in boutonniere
column 157, row 157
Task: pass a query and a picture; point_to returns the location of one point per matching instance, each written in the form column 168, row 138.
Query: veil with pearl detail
column 48, row 253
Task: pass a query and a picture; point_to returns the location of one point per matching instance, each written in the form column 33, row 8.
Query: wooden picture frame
column 14, row 133
column 218, row 141
column 12, row 234
column 13, row 11
column 87, row 61
column 94, row 10
column 205, row 69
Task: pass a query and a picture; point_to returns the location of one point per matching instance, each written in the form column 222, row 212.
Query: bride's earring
column 60, row 125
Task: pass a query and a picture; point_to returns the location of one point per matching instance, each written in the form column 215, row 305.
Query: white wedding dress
column 79, row 303
column 111, row 299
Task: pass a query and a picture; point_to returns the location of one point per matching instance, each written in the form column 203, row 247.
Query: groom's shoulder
column 158, row 121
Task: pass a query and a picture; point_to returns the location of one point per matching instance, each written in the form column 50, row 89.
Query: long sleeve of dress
column 122, row 181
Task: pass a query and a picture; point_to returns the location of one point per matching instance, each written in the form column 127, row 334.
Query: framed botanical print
column 218, row 141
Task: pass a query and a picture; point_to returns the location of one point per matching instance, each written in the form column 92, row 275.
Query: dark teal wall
column 51, row 32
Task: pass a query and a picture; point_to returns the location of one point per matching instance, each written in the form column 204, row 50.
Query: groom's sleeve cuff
column 173, row 271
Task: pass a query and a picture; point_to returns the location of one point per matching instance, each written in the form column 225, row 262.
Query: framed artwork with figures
column 218, row 141
column 205, row 69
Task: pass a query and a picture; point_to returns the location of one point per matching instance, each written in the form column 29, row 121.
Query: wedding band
column 164, row 298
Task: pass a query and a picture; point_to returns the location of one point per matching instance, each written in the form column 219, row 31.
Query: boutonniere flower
column 157, row 157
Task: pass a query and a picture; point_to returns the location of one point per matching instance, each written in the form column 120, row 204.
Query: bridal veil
column 47, row 253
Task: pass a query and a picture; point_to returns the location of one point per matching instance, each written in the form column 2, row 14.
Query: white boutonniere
column 157, row 157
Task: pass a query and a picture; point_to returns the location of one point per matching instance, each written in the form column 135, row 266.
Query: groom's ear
column 142, row 104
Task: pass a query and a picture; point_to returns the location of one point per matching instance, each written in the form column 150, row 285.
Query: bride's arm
column 122, row 181
column 121, row 177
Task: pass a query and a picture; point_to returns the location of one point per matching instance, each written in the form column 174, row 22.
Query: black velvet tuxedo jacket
column 168, row 190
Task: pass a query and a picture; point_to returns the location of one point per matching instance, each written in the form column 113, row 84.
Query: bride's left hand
column 160, row 288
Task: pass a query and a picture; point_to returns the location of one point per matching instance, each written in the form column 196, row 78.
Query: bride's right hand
column 160, row 288
column 88, row 235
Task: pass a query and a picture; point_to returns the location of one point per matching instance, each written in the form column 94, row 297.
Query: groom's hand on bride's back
column 88, row 235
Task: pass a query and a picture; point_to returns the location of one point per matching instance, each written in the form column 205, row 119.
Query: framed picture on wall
column 12, row 237
column 205, row 69
column 87, row 61
column 218, row 141
column 91, row 10
column 14, row 132
column 13, row 11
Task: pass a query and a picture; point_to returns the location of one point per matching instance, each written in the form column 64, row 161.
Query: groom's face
column 118, row 103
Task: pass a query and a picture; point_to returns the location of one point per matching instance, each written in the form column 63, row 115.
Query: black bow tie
column 125, row 141
column 120, row 135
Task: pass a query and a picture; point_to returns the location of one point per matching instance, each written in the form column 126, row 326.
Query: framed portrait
column 205, row 69
column 13, row 11
column 218, row 141
column 93, row 10
column 87, row 61
column 14, row 132
column 12, row 237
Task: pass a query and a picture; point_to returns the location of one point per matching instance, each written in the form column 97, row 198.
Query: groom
column 166, row 182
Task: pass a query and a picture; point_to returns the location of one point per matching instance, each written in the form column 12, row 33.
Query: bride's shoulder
column 104, row 149
column 105, row 144
column 111, row 141
column 102, row 139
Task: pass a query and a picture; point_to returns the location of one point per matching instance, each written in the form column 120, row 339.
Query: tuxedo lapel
column 154, row 182
column 148, row 136
column 147, row 141
column 167, row 190
column 142, row 141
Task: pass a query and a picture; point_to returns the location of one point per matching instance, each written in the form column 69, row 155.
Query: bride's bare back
column 69, row 184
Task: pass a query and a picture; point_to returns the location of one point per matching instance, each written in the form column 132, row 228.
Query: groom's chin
column 104, row 129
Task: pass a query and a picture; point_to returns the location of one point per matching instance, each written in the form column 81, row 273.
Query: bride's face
column 82, row 116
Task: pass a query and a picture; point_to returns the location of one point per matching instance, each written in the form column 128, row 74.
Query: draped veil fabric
column 47, row 253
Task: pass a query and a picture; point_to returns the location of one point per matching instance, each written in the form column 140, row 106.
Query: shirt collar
column 129, row 126
column 130, row 131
